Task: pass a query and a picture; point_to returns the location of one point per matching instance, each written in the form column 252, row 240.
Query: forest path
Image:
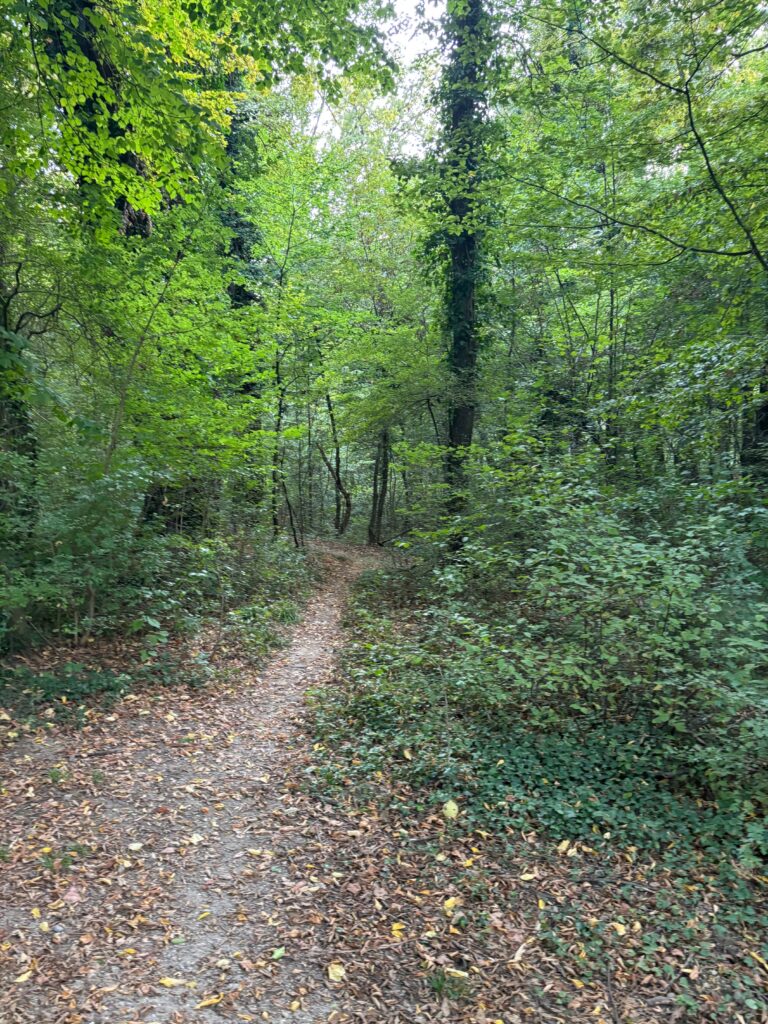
column 199, row 865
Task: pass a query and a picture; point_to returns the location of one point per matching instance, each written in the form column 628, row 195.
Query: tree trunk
column 343, row 501
column 276, row 468
column 465, row 98
column 342, row 513
column 380, row 486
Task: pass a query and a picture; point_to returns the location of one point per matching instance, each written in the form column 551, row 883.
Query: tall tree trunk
column 465, row 99
column 343, row 506
column 380, row 487
column 343, row 512
column 277, row 473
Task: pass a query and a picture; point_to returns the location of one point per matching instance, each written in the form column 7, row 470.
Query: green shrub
column 583, row 644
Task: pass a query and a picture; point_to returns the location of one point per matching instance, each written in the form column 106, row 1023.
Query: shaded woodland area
column 482, row 286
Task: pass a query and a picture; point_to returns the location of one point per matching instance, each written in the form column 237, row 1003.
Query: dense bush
column 583, row 644
column 81, row 556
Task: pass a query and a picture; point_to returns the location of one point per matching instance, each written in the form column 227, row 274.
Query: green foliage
column 623, row 665
column 61, row 695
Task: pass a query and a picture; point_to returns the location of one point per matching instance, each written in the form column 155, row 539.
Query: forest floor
column 170, row 863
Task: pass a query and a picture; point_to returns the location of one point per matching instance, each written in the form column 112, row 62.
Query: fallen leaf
column 398, row 929
column 23, row 977
column 172, row 982
column 279, row 953
column 210, row 1001
column 521, row 951
column 336, row 972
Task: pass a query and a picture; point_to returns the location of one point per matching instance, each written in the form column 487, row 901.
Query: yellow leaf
column 44, row 926
column 336, row 972
column 296, row 1004
column 23, row 977
column 619, row 928
column 453, row 973
column 542, row 904
column 127, row 952
column 450, row 810
column 205, row 913
column 755, row 956
column 36, row 913
column 577, row 983
column 407, row 755
column 450, row 904
column 528, row 877
column 171, row 982
column 563, row 847
column 195, row 839
column 398, row 929
column 210, row 1001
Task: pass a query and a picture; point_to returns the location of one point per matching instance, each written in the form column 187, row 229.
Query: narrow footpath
column 195, row 859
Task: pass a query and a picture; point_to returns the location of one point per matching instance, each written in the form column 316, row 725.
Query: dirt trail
column 192, row 896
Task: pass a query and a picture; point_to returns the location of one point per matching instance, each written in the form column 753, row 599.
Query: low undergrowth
column 598, row 696
column 411, row 707
column 264, row 589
